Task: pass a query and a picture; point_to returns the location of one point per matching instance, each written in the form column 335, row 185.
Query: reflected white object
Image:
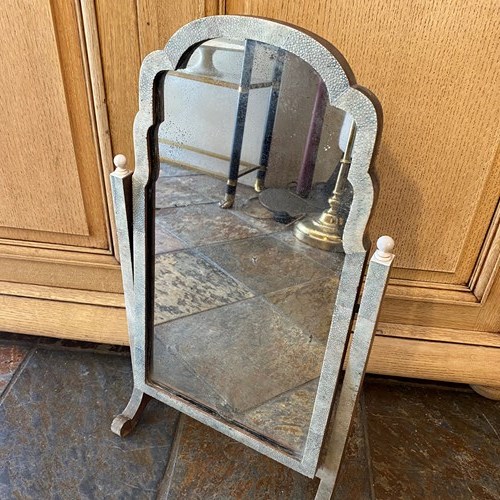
column 344, row 132
column 204, row 64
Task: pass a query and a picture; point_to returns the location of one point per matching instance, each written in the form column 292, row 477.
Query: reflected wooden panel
column 242, row 310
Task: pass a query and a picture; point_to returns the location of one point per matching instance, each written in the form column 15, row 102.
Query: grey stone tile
column 169, row 170
column 265, row 264
column 11, row 356
column 285, row 418
column 429, row 442
column 209, row 465
column 168, row 370
column 251, row 211
column 310, row 305
column 209, row 187
column 185, row 283
column 355, row 476
column 56, row 440
column 202, row 224
column 247, row 352
column 331, row 260
column 165, row 241
column 173, row 192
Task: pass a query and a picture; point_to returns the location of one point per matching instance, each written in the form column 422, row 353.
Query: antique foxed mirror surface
column 242, row 236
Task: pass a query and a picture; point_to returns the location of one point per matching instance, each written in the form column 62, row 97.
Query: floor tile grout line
column 19, row 370
column 364, row 423
column 395, row 381
column 55, row 347
column 166, row 480
column 272, row 306
column 199, row 252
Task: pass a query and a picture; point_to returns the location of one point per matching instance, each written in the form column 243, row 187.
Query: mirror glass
column 249, row 146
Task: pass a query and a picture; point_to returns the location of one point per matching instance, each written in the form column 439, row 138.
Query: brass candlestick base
column 326, row 231
column 323, row 232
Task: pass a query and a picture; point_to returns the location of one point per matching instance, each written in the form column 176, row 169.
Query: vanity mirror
column 241, row 238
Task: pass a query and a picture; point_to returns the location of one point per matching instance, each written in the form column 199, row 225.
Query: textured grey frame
column 344, row 94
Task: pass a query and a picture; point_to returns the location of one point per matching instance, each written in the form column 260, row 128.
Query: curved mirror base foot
column 325, row 490
column 125, row 423
column 487, row 391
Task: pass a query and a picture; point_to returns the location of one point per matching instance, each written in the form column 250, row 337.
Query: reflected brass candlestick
column 326, row 231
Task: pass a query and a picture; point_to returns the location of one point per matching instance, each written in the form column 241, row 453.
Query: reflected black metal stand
column 239, row 126
column 271, row 117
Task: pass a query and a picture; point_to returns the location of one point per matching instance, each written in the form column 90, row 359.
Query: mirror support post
column 358, row 353
column 121, row 189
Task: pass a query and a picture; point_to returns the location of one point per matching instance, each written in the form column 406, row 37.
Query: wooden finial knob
column 120, row 171
column 120, row 162
column 385, row 246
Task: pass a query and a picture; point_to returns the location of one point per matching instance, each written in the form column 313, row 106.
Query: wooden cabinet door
column 435, row 68
column 58, row 272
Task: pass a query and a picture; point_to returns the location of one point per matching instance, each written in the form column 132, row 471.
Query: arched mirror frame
column 343, row 93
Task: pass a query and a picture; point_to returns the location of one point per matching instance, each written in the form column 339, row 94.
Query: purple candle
column 304, row 181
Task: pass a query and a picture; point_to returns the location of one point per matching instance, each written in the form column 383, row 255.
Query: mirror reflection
column 249, row 148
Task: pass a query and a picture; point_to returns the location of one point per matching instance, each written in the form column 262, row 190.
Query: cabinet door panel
column 435, row 68
column 55, row 239
column 51, row 190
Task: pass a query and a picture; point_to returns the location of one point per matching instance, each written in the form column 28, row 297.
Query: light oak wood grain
column 120, row 55
column 51, row 189
column 95, row 79
column 70, row 320
column 53, row 192
column 435, row 361
column 445, row 335
column 32, row 161
column 65, row 274
column 157, row 24
column 77, row 296
column 435, row 68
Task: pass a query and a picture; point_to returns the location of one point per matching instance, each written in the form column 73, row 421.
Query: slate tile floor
column 410, row 439
column 232, row 290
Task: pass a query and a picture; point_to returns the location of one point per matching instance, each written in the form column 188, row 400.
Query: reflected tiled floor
column 410, row 440
column 241, row 314
column 265, row 264
column 186, row 283
column 206, row 223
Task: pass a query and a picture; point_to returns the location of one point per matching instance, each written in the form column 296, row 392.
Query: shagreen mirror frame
column 134, row 209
